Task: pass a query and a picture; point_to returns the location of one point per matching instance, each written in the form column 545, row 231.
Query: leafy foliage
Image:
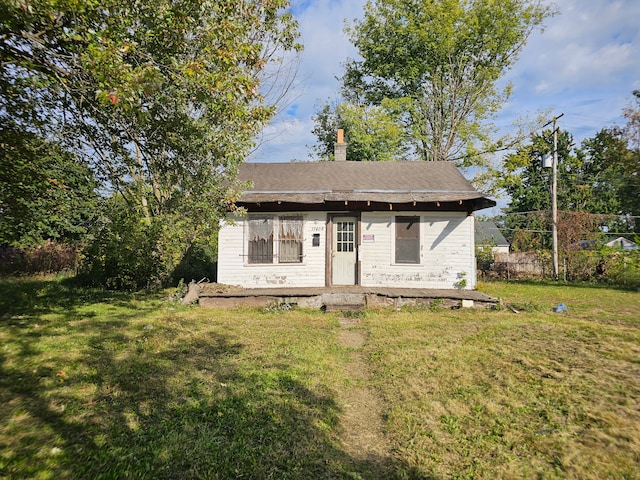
column 623, row 269
column 606, row 265
column 597, row 194
column 45, row 192
column 127, row 253
column 629, row 171
column 442, row 59
column 372, row 133
column 124, row 252
column 592, row 189
column 162, row 97
column 484, row 255
column 199, row 262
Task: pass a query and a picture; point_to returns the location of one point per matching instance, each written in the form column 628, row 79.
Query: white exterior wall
column 446, row 251
column 233, row 268
column 447, row 254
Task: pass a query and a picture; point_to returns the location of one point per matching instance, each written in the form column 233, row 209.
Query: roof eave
column 470, row 201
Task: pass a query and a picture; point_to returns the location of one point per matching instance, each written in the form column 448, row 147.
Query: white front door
column 344, row 251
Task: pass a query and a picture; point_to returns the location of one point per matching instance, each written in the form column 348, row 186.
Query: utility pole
column 554, row 198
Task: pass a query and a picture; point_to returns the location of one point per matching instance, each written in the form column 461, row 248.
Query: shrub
column 129, row 253
column 606, row 265
column 124, row 253
column 199, row 262
column 583, row 265
column 50, row 257
column 12, row 261
column 484, row 256
column 623, row 269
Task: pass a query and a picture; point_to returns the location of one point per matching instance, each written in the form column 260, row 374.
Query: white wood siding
column 446, row 254
column 446, row 251
column 233, row 268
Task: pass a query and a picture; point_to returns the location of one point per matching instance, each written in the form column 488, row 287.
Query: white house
column 623, row 244
column 488, row 234
column 375, row 224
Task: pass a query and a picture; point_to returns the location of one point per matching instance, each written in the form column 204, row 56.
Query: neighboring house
column 623, row 244
column 620, row 242
column 488, row 233
column 317, row 224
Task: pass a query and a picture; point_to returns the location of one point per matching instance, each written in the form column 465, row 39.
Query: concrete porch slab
column 340, row 297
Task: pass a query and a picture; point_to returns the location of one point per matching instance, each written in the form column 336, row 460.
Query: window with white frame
column 408, row 240
column 273, row 239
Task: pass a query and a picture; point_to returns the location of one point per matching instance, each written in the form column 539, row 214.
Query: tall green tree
column 606, row 156
column 162, row 97
column 592, row 180
column 528, row 185
column 443, row 59
column 372, row 133
column 630, row 171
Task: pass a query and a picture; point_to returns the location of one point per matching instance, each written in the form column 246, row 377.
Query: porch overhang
column 361, row 200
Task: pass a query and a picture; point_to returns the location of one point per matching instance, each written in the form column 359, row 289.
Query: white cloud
column 584, row 65
column 542, row 87
column 284, row 141
column 326, row 47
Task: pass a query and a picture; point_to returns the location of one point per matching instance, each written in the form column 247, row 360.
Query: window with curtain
column 290, row 240
column 275, row 239
column 260, row 236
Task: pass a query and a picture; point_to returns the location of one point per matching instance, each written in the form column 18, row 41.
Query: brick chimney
column 340, row 148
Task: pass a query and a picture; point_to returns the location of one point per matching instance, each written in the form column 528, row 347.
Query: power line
column 610, row 215
column 524, row 230
column 549, row 231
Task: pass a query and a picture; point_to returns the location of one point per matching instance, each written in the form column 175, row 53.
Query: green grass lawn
column 110, row 385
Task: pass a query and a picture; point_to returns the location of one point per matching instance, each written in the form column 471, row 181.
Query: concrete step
column 343, row 301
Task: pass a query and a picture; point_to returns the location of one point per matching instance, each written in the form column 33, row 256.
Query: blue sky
column 585, row 64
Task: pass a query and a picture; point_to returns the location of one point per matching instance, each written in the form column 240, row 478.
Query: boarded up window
column 407, row 239
column 260, row 237
column 290, row 240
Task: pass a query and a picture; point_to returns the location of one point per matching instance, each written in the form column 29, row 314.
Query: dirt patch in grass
column 361, row 418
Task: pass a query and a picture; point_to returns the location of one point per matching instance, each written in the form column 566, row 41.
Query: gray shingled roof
column 487, row 231
column 392, row 182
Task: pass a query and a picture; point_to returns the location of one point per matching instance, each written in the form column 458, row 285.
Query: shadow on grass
column 30, row 297
column 117, row 401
